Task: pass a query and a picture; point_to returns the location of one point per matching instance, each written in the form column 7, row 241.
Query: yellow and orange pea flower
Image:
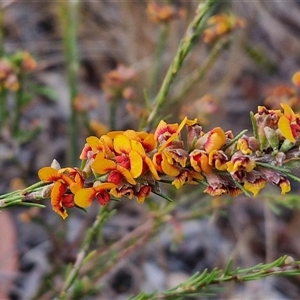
column 65, row 180
column 85, row 196
column 116, row 82
column 162, row 12
column 289, row 123
column 130, row 158
column 296, row 79
column 220, row 25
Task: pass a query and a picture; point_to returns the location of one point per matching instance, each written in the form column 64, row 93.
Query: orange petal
column 48, row 174
column 151, row 167
column 143, row 193
column 127, row 175
column 169, row 169
column 126, row 192
column 148, row 141
column 84, row 197
column 58, row 190
column 163, row 127
column 77, row 184
column 216, row 139
column 85, row 151
column 206, row 168
column 104, row 186
column 200, row 161
column 160, row 129
column 296, row 79
column 157, row 159
column 285, row 128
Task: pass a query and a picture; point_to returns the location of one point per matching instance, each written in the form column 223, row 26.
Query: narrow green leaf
column 254, row 126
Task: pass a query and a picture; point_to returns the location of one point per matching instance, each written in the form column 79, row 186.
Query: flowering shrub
column 135, row 164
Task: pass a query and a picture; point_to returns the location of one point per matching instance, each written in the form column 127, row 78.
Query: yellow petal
column 102, row 165
column 122, row 144
column 93, row 141
column 285, row 186
column 84, row 197
column 296, row 79
column 169, row 169
column 113, row 134
column 180, row 180
column 151, row 167
column 137, row 146
column 57, row 192
column 136, row 163
column 288, row 112
column 285, row 128
column 255, row 187
column 106, row 142
column 131, row 134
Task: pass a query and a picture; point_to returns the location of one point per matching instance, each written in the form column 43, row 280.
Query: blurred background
column 96, row 59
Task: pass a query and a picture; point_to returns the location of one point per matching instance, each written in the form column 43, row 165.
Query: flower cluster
column 163, row 13
column 132, row 164
column 220, row 25
column 116, row 83
column 11, row 67
column 285, row 93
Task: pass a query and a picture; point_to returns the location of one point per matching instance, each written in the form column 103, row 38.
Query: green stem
column 201, row 72
column 18, row 106
column 163, row 34
column 112, row 113
column 102, row 216
column 33, row 187
column 276, row 168
column 194, row 29
column 2, row 16
column 3, row 108
column 201, row 283
column 69, row 20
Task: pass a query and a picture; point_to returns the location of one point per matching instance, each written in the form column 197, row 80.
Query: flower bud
column 272, row 137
